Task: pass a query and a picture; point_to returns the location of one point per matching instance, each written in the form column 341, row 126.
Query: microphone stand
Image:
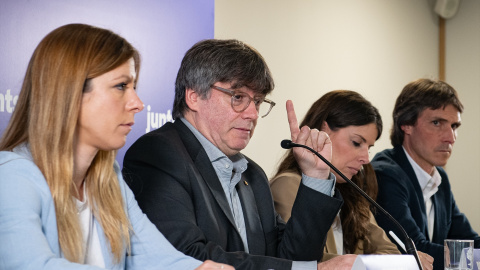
column 409, row 245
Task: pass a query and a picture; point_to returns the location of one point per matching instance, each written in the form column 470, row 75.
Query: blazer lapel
column 204, row 168
column 211, row 179
column 402, row 160
column 255, row 237
column 440, row 227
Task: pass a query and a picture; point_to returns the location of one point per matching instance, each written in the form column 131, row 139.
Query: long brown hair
column 46, row 116
column 340, row 109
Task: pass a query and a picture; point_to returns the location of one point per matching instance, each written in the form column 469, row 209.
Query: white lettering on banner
column 156, row 120
column 7, row 102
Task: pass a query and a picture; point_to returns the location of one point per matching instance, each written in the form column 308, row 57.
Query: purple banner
column 162, row 30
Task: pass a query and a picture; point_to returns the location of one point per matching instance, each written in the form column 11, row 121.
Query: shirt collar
column 428, row 183
column 213, row 152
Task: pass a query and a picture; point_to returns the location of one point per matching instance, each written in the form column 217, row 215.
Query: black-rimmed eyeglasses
column 241, row 101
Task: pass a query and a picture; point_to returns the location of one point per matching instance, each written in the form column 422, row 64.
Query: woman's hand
column 209, row 265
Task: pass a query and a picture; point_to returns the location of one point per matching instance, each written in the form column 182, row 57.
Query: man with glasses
column 208, row 199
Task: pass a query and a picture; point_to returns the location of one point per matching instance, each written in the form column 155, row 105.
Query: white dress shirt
column 429, row 185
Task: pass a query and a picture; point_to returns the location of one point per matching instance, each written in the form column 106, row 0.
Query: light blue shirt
column 229, row 171
column 28, row 225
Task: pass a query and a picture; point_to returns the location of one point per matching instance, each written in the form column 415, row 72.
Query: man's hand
column 338, row 263
column 309, row 163
column 426, row 260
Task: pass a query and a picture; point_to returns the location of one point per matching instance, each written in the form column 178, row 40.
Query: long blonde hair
column 46, row 117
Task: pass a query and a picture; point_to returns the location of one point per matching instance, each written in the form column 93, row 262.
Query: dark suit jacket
column 177, row 187
column 400, row 194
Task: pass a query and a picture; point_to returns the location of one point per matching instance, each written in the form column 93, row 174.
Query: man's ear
column 192, row 98
column 407, row 129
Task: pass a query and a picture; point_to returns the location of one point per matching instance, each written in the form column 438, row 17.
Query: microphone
column 410, row 246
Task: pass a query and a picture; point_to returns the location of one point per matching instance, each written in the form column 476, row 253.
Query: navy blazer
column 176, row 185
column 400, row 194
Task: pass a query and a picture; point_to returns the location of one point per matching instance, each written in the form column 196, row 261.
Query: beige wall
column 374, row 47
column 463, row 72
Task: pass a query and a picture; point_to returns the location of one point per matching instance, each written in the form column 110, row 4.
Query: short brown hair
column 417, row 96
column 216, row 60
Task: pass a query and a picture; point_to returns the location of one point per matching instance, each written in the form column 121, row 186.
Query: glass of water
column 458, row 254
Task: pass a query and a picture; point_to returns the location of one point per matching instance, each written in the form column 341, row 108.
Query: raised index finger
column 292, row 121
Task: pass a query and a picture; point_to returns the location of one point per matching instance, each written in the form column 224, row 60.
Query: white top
column 338, row 234
column 429, row 185
column 91, row 242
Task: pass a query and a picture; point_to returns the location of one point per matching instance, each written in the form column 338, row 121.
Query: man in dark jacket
column 209, row 200
column 413, row 187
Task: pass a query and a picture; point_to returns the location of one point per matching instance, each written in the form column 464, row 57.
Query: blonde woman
column 63, row 201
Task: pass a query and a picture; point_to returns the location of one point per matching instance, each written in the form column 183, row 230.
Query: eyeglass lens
column 240, row 102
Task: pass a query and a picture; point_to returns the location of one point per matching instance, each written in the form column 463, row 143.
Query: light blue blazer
column 28, row 225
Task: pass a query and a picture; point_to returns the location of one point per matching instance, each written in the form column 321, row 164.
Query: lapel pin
column 246, row 183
